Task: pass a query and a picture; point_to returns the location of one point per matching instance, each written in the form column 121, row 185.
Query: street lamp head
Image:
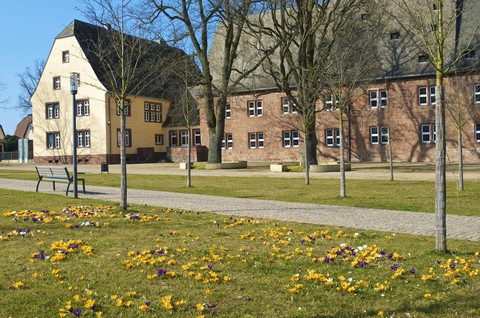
column 73, row 83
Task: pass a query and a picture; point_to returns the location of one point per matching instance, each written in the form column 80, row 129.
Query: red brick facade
column 404, row 114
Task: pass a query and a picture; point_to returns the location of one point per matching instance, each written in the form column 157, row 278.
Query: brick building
column 396, row 108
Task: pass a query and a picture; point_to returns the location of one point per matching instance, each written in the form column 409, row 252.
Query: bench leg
column 53, row 185
column 83, row 183
column 38, row 183
column 68, row 186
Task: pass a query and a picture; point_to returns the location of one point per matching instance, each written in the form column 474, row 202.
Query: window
column 373, row 99
column 197, row 140
column 65, row 57
column 432, row 95
column 228, row 111
column 287, row 106
column 173, row 138
column 426, row 95
column 229, row 139
column 394, row 35
column 329, row 102
column 184, row 138
column 290, row 138
column 126, row 108
column 477, row 132
column 428, row 133
column 256, row 140
column 158, row 139
column 469, row 55
column 52, row 110
column 56, row 83
column 422, row 95
column 83, row 108
column 383, row 98
column 332, row 137
column 384, row 135
column 153, row 112
column 255, row 108
column 374, row 135
column 128, row 137
column 83, row 139
column 422, row 59
column 476, row 93
column 53, row 140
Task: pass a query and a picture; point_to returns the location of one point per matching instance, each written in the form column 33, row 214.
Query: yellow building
column 98, row 119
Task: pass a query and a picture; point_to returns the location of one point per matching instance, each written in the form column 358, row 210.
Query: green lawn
column 416, row 196
column 217, row 266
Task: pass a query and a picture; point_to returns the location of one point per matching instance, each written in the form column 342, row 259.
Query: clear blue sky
column 27, row 29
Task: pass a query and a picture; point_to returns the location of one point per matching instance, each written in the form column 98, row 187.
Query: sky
column 27, row 29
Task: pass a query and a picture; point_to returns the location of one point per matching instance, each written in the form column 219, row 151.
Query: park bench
column 56, row 174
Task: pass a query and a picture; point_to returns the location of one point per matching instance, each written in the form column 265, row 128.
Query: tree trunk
column 306, row 159
column 123, row 159
column 460, row 162
column 440, row 169
column 343, row 192
column 390, row 155
column 189, row 159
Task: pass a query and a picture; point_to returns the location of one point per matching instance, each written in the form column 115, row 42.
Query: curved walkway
column 458, row 227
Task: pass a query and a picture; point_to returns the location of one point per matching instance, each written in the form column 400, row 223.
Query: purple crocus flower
column 412, row 271
column 78, row 313
column 147, row 303
column 210, row 266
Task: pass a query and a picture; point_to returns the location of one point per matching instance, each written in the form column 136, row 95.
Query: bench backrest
column 59, row 172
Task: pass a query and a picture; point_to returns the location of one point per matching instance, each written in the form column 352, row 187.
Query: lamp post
column 73, row 90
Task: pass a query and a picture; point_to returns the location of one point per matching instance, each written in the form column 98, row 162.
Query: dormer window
column 469, row 55
column 394, row 35
column 422, row 58
column 65, row 57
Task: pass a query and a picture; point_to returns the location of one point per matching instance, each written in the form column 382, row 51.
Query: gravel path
column 458, row 227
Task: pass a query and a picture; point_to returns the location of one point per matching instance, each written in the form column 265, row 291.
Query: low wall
column 227, row 165
column 329, row 167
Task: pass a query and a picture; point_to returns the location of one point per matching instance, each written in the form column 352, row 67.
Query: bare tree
column 28, row 83
column 302, row 34
column 443, row 33
column 461, row 109
column 195, row 20
column 130, row 64
column 185, row 110
column 346, row 74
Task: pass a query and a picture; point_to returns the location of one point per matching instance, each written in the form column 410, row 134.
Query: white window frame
column 228, row 111
column 251, row 108
column 159, row 139
column 172, row 134
column 425, row 132
column 422, row 95
column 259, row 108
column 229, row 138
column 373, row 99
column 147, row 116
column 50, row 111
column 87, row 138
column 79, row 139
column 79, row 108
column 57, row 84
column 477, row 132
column 329, row 137
column 83, row 138
column 295, row 138
column 374, row 135
column 383, row 98
column 285, row 105
column 57, row 140
column 384, row 136
column 476, row 93
column 184, row 138
column 434, row 133
column 260, row 140
column 252, row 140
column 432, row 95
column 286, row 135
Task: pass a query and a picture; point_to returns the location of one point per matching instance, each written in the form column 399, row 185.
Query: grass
column 268, row 266
column 415, row 196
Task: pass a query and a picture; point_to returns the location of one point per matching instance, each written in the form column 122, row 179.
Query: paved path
column 458, row 227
